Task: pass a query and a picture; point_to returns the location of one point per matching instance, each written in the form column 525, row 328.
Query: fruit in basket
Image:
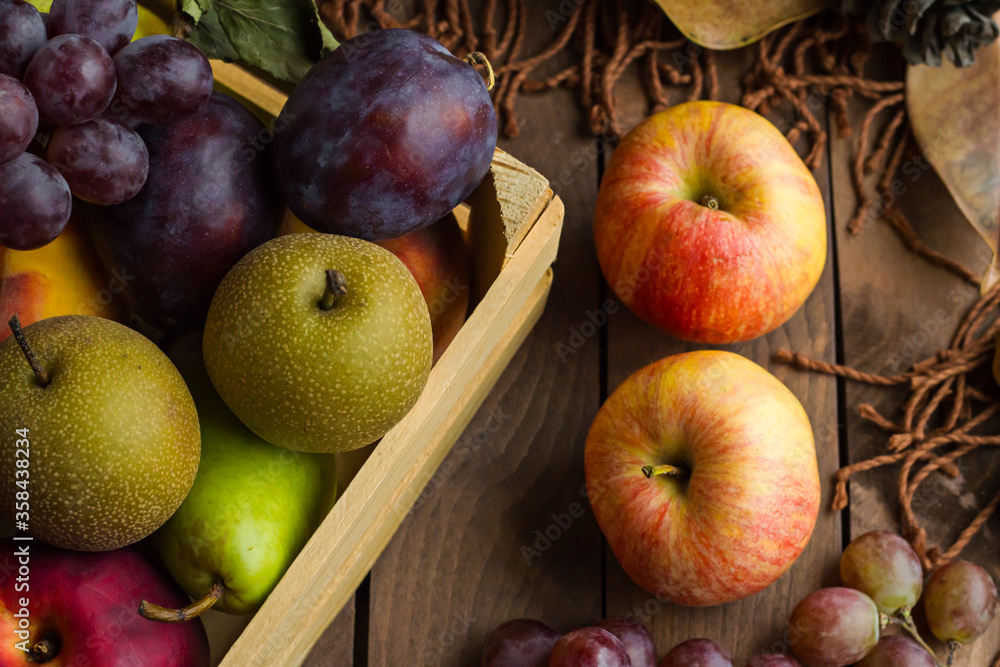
column 883, row 566
column 161, row 80
column 522, row 642
column 386, row 134
column 702, row 473
column 63, row 278
column 898, row 651
column 110, row 427
column 18, row 118
column 439, row 260
column 834, row 627
column 776, row 660
column 209, row 199
column 252, row 508
column 708, row 225
column 72, row 79
column 111, row 23
column 103, row 161
column 634, row 637
column 319, row 343
column 589, row 647
column 81, row 608
column 36, row 202
column 22, row 32
column 702, row 652
column 960, row 601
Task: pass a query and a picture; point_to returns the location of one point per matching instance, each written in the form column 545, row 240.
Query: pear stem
column 336, row 284
column 665, row 470
column 155, row 612
column 41, row 376
column 711, row 202
column 43, row 651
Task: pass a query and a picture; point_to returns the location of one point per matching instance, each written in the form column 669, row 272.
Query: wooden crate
column 513, row 225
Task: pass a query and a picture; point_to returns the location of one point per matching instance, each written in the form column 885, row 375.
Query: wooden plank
column 756, row 624
column 898, row 309
column 455, row 569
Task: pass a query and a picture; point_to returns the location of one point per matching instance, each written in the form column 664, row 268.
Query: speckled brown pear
column 106, row 426
column 318, row 342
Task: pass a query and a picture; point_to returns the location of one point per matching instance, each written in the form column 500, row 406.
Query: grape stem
column 478, row 58
column 41, row 376
column 953, row 646
column 904, row 619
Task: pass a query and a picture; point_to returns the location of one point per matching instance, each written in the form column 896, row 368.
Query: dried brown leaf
column 730, row 24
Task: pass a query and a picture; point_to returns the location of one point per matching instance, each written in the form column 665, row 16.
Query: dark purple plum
column 589, row 647
column 898, row 651
column 636, row 638
column 18, row 118
column 774, row 660
column 385, row 135
column 22, row 32
column 161, row 80
column 209, row 200
column 834, row 627
column 701, row 652
column 72, row 79
column 103, row 161
column 111, row 23
column 520, row 643
column 35, row 201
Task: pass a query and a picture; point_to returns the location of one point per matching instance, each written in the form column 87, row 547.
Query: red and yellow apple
column 702, row 473
column 708, row 225
column 70, row 608
column 439, row 260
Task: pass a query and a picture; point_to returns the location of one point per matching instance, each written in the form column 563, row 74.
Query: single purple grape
column 35, row 201
column 589, row 647
column 72, row 79
column 834, row 627
column 18, row 118
column 636, row 638
column 774, row 660
column 103, row 161
column 883, row 566
column 22, row 32
column 960, row 601
column 161, row 80
column 520, row 643
column 898, row 651
column 111, row 23
column 701, row 652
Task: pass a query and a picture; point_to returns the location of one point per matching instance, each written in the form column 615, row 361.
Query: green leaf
column 196, row 8
column 211, row 39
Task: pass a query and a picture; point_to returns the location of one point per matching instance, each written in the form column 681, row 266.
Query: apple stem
column 711, row 202
column 155, row 612
column 336, row 284
column 43, row 651
column 36, row 367
column 478, row 58
column 666, row 470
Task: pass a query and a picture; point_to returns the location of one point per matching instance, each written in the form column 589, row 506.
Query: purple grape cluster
column 612, row 642
column 72, row 91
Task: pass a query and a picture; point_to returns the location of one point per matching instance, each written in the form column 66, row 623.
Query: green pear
column 105, row 427
column 252, row 508
column 319, row 343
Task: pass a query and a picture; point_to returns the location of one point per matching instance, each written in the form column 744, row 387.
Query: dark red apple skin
column 88, row 604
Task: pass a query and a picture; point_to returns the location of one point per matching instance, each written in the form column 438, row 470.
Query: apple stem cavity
column 478, row 58
column 666, row 471
column 41, row 376
column 336, row 284
column 155, row 612
column 42, row 652
column 711, row 202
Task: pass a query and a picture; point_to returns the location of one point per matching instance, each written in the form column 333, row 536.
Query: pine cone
column 927, row 29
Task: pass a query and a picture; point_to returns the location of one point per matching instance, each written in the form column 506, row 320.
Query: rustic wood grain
column 457, row 568
column 754, row 625
column 898, row 309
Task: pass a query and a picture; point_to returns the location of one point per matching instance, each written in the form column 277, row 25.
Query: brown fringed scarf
column 798, row 73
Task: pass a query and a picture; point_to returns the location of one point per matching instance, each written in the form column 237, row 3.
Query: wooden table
column 474, row 552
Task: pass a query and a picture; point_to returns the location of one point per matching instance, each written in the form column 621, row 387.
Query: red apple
column 702, row 473
column 439, row 260
column 708, row 225
column 83, row 609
